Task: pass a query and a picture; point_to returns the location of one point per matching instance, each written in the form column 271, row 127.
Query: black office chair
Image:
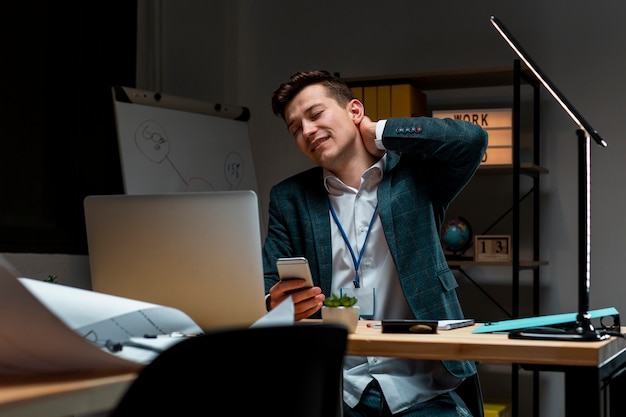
column 471, row 393
column 282, row 371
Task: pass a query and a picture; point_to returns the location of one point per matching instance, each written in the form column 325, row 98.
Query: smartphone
column 294, row 268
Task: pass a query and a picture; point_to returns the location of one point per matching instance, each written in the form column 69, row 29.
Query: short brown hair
column 337, row 89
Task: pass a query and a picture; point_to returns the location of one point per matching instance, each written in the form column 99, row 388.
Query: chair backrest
column 283, row 371
column 472, row 395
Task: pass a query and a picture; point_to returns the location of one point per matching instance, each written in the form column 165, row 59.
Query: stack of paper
column 50, row 330
column 37, row 345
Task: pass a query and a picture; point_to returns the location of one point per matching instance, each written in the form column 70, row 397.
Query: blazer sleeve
column 456, row 146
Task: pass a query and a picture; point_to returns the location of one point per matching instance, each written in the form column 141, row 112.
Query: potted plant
column 342, row 310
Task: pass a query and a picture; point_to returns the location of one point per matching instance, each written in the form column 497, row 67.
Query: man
column 368, row 218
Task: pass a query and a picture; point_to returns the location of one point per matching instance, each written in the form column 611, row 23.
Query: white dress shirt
column 404, row 382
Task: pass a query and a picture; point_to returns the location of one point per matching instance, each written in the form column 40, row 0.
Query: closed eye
column 295, row 130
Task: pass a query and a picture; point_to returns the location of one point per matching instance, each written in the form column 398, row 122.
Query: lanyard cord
column 357, row 262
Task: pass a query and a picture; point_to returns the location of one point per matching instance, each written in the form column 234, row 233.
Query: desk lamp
column 583, row 329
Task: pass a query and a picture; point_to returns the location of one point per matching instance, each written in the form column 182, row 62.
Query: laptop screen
column 199, row 252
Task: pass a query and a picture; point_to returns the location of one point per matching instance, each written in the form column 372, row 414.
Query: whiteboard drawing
column 167, row 150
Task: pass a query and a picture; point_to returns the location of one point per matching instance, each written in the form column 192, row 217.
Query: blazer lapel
column 317, row 201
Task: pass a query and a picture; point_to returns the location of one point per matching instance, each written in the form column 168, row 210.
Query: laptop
column 199, row 252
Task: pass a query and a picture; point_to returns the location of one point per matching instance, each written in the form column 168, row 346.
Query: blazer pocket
column 447, row 279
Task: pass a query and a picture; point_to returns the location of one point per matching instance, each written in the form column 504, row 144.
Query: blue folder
column 550, row 320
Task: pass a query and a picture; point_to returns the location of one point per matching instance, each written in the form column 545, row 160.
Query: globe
column 456, row 235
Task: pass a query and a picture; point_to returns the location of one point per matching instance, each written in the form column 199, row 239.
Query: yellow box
column 370, row 101
column 497, row 409
column 383, row 101
column 395, row 100
column 407, row 101
column 358, row 93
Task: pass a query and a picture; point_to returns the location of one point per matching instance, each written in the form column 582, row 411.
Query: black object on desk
column 410, row 326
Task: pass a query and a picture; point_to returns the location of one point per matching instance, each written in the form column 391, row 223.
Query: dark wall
column 58, row 128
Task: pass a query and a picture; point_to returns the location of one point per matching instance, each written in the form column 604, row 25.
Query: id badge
column 366, row 300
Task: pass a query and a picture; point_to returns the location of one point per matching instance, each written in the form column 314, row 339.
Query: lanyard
column 357, row 262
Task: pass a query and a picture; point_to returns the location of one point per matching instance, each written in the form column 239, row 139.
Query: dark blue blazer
column 429, row 161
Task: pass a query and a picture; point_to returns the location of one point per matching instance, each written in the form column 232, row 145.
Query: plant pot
column 348, row 316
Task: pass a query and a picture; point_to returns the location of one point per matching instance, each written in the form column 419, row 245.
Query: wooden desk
column 63, row 398
column 587, row 366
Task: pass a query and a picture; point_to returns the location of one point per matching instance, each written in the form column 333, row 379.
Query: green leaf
column 336, row 301
column 51, row 278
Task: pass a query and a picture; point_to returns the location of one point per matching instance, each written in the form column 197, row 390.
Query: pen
column 173, row 334
column 374, row 325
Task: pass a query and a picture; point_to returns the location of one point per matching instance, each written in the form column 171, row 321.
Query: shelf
column 525, row 168
column 492, row 77
column 485, row 79
column 522, row 264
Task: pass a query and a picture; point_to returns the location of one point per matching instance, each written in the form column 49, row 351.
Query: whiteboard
column 171, row 144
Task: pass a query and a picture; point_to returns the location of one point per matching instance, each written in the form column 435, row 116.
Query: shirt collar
column 334, row 184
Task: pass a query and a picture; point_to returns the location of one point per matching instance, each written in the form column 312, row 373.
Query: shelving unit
column 493, row 77
column 498, row 77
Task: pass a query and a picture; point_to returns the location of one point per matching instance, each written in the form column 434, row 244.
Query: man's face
column 324, row 131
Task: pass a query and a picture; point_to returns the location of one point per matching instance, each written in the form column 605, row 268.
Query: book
column 454, row 324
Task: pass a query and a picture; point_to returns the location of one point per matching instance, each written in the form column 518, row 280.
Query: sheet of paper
column 102, row 317
column 75, row 306
column 36, row 345
column 49, row 330
column 281, row 315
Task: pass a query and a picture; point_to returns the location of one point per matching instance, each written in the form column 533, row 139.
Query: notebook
column 199, row 252
column 506, row 326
